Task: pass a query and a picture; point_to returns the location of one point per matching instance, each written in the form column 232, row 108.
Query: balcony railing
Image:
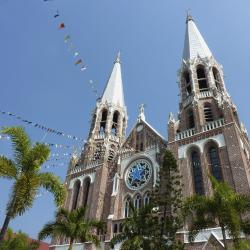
column 206, row 127
column 185, row 134
column 204, row 94
column 212, row 125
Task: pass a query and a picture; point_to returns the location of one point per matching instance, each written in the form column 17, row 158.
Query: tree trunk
column 4, row 227
column 71, row 244
column 224, row 236
column 7, row 221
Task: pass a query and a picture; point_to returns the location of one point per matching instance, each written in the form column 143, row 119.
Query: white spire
column 113, row 92
column 194, row 44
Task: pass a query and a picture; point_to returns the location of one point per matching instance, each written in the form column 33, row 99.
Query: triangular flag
column 66, row 38
column 62, row 26
column 83, row 68
column 78, row 62
column 57, row 14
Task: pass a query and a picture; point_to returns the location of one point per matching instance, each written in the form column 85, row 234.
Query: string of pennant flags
column 78, row 59
column 6, row 137
column 54, row 157
column 42, row 127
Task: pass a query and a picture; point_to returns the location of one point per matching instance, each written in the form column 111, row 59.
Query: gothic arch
column 217, row 78
column 127, row 204
column 201, row 77
column 76, row 191
column 146, row 198
column 103, row 122
column 190, row 121
column 186, row 82
column 137, row 201
column 86, row 187
column 196, row 169
column 213, row 159
column 115, row 122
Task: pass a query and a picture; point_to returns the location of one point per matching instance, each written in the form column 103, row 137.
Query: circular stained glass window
column 138, row 174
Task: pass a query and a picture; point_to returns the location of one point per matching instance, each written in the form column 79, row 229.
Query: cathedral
column 206, row 136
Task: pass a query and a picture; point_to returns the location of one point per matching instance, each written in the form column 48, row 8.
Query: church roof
column 113, row 92
column 194, row 44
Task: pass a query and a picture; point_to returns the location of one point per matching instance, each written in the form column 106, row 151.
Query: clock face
column 138, row 174
column 139, row 128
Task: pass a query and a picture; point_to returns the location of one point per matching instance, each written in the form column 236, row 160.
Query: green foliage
column 225, row 207
column 73, row 225
column 168, row 198
column 24, row 170
column 138, row 230
column 143, row 229
column 18, row 241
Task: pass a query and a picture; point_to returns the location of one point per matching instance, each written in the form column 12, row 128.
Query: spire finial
column 118, row 58
column 141, row 115
column 189, row 16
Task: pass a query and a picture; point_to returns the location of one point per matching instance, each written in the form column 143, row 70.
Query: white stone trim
column 200, row 144
column 81, row 179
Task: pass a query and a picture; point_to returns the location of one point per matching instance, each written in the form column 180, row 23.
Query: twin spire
column 194, row 45
column 113, row 92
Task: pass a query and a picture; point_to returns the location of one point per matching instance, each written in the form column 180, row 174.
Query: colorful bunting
column 45, row 128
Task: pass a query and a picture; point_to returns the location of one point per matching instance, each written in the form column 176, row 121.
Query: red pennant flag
column 62, row 26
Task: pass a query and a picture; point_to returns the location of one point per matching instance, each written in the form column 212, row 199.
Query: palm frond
column 7, row 168
column 93, row 238
column 23, row 194
column 36, row 156
column 20, row 142
column 56, row 229
column 53, row 184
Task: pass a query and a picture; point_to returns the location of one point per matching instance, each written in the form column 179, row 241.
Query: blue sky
column 40, row 82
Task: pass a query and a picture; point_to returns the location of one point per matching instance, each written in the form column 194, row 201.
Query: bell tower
column 88, row 179
column 207, row 136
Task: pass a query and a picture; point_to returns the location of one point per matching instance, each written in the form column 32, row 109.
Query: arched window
column 137, row 202
column 190, row 118
column 115, row 183
column 197, row 173
column 208, row 114
column 86, row 186
column 127, row 207
column 76, row 191
column 103, row 121
column 216, row 75
column 115, row 123
column 215, row 163
column 201, row 76
column 115, row 228
column 186, row 78
column 146, row 199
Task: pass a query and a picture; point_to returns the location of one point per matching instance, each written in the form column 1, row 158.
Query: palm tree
column 225, row 208
column 73, row 225
column 138, row 230
column 24, row 170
